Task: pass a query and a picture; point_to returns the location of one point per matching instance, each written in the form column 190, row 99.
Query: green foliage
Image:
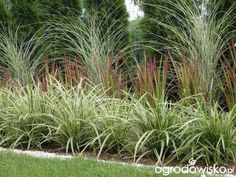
column 61, row 7
column 155, row 35
column 4, row 14
column 27, row 14
column 33, row 13
column 113, row 14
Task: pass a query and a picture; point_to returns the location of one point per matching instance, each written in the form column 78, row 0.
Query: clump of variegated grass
column 170, row 132
column 200, row 35
column 113, row 128
column 84, row 117
column 209, row 135
column 23, row 111
column 21, row 56
column 158, row 128
column 71, row 118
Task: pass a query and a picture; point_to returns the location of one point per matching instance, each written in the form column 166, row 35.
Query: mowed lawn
column 15, row 165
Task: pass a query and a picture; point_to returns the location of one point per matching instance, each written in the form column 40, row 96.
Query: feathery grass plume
column 201, row 34
column 21, row 56
column 94, row 48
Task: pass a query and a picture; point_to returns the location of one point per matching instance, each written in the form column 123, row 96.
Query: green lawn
column 13, row 165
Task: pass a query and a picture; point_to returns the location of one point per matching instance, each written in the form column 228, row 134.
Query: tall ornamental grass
column 21, row 56
column 87, row 41
column 199, row 37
